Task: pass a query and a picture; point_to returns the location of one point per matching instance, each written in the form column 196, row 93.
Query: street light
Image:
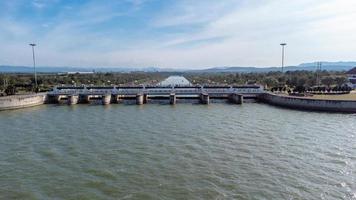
column 34, row 63
column 318, row 70
column 283, row 44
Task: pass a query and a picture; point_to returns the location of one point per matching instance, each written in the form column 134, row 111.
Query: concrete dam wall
column 150, row 94
column 141, row 96
column 303, row 103
column 22, row 101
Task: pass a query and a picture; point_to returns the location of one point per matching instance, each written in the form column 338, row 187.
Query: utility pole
column 34, row 64
column 283, row 45
column 318, row 70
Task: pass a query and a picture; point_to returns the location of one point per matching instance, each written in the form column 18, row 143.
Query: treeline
column 313, row 90
column 26, row 82
column 290, row 79
column 295, row 80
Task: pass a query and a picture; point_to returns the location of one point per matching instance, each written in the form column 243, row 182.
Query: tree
column 10, row 90
column 340, row 80
column 301, row 81
column 327, row 81
column 300, row 89
column 270, row 82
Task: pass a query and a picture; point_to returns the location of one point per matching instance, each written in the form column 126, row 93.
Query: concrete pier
column 58, row 98
column 236, row 98
column 106, row 99
column 72, row 99
column 139, row 99
column 204, row 98
column 172, row 98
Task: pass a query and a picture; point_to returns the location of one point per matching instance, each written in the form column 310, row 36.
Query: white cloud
column 38, row 4
column 315, row 30
column 186, row 12
column 192, row 34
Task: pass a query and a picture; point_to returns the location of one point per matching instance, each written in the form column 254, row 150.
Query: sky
column 176, row 33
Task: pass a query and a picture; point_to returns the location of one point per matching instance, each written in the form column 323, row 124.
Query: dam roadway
column 143, row 94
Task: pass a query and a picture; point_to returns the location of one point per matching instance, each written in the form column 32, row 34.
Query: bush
column 10, row 90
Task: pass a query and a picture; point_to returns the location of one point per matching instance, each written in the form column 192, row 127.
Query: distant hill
column 26, row 69
column 330, row 66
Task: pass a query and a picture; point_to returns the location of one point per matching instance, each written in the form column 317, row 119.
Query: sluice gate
column 141, row 95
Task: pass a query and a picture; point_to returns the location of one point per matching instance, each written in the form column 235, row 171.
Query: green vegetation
column 25, row 82
column 271, row 79
column 290, row 81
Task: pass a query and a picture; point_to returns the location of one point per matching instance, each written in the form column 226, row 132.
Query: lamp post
column 34, row 64
column 283, row 44
column 318, row 70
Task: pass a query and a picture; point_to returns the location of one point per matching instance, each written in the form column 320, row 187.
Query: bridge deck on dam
column 251, row 89
column 113, row 94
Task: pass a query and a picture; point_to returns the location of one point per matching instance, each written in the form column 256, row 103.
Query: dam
column 144, row 94
column 173, row 90
column 140, row 95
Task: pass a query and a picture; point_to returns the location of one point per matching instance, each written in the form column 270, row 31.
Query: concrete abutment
column 72, row 99
column 204, row 98
column 139, row 99
column 106, row 99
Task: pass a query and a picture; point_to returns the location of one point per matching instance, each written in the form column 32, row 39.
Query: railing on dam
column 155, row 90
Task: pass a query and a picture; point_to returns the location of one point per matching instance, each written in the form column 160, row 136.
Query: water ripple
column 219, row 151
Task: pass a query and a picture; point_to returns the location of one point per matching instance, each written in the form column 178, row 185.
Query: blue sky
column 176, row 33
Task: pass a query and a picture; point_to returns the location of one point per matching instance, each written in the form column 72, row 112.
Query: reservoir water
column 219, row 151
